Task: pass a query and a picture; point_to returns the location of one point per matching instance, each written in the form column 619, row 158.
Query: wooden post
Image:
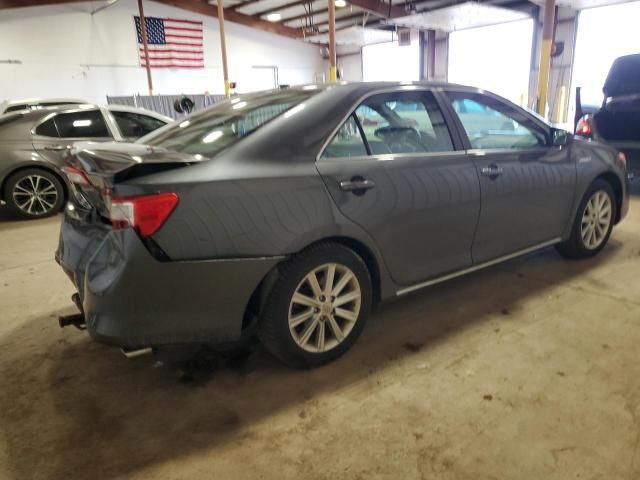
column 333, row 74
column 545, row 54
column 143, row 31
column 223, row 48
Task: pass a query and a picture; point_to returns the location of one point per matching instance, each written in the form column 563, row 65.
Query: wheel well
column 615, row 183
column 260, row 294
column 35, row 167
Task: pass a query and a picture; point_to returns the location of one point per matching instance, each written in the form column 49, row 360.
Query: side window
column 492, row 125
column 347, row 142
column 47, row 129
column 87, row 124
column 404, row 122
column 134, row 124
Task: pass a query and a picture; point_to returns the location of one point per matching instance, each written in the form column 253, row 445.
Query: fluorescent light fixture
column 340, row 3
column 460, row 17
column 212, row 137
column 274, row 17
column 81, row 123
column 354, row 35
column 239, row 105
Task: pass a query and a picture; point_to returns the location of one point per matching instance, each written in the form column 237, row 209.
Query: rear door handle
column 492, row 171
column 357, row 185
column 55, row 148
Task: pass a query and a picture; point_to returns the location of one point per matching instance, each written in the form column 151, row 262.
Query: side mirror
column 559, row 137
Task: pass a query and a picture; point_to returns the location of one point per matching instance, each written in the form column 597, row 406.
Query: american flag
column 172, row 43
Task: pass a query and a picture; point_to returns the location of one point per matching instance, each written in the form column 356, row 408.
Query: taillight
column 76, row 176
column 145, row 213
column 622, row 158
column 584, row 128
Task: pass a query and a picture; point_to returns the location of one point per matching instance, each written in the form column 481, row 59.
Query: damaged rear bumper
column 130, row 299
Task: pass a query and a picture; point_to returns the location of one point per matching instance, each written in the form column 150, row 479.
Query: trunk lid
column 107, row 164
column 623, row 77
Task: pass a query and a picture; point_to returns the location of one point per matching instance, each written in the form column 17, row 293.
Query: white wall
column 351, row 66
column 65, row 51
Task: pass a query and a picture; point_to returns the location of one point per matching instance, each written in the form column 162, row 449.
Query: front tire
column 593, row 222
column 34, row 193
column 317, row 307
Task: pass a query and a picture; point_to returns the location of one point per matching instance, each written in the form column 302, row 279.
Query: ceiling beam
column 233, row 16
column 304, row 15
column 340, row 19
column 382, row 9
column 282, row 7
column 32, row 3
column 241, row 4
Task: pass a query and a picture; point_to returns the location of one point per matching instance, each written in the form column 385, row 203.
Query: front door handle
column 55, row 148
column 492, row 171
column 357, row 185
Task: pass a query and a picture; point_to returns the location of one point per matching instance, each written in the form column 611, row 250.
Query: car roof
column 45, row 111
column 44, row 100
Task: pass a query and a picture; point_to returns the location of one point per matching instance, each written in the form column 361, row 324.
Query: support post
column 431, row 54
column 145, row 45
column 545, row 54
column 333, row 74
column 223, row 48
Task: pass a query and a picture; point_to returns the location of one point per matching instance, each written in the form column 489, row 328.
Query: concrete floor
column 528, row 370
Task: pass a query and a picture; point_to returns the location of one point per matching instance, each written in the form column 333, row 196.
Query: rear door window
column 347, row 142
column 82, row 124
column 47, row 129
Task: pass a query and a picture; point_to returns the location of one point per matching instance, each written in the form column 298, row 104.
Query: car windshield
column 211, row 131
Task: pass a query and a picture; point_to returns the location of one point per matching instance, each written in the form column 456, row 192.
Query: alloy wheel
column 325, row 307
column 35, row 195
column 596, row 220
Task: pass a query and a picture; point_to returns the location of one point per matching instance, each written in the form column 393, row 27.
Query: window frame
column 533, row 122
column 457, row 143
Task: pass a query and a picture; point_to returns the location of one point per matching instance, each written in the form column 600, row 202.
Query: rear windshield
column 211, row 131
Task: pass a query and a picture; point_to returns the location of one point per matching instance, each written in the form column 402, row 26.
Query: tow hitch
column 76, row 319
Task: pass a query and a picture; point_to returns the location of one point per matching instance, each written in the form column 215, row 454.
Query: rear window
column 223, row 125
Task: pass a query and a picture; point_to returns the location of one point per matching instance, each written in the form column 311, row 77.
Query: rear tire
column 317, row 307
column 593, row 222
column 34, row 193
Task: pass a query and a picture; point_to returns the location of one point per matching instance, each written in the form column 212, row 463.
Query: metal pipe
column 143, row 31
column 130, row 354
column 545, row 54
column 223, row 48
column 431, row 54
column 333, row 74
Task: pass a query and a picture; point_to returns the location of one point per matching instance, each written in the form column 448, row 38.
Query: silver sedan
column 33, row 142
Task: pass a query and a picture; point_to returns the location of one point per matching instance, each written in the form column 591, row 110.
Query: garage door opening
column 391, row 62
column 496, row 58
column 604, row 33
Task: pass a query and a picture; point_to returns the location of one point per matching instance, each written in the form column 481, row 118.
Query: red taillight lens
column 622, row 158
column 146, row 213
column 584, row 127
column 76, row 176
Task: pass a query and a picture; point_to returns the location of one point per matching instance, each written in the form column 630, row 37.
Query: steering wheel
column 400, row 139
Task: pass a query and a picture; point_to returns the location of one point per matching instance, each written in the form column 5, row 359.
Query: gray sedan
column 291, row 213
column 32, row 143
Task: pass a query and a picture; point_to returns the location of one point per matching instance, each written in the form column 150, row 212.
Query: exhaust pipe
column 135, row 353
column 77, row 319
